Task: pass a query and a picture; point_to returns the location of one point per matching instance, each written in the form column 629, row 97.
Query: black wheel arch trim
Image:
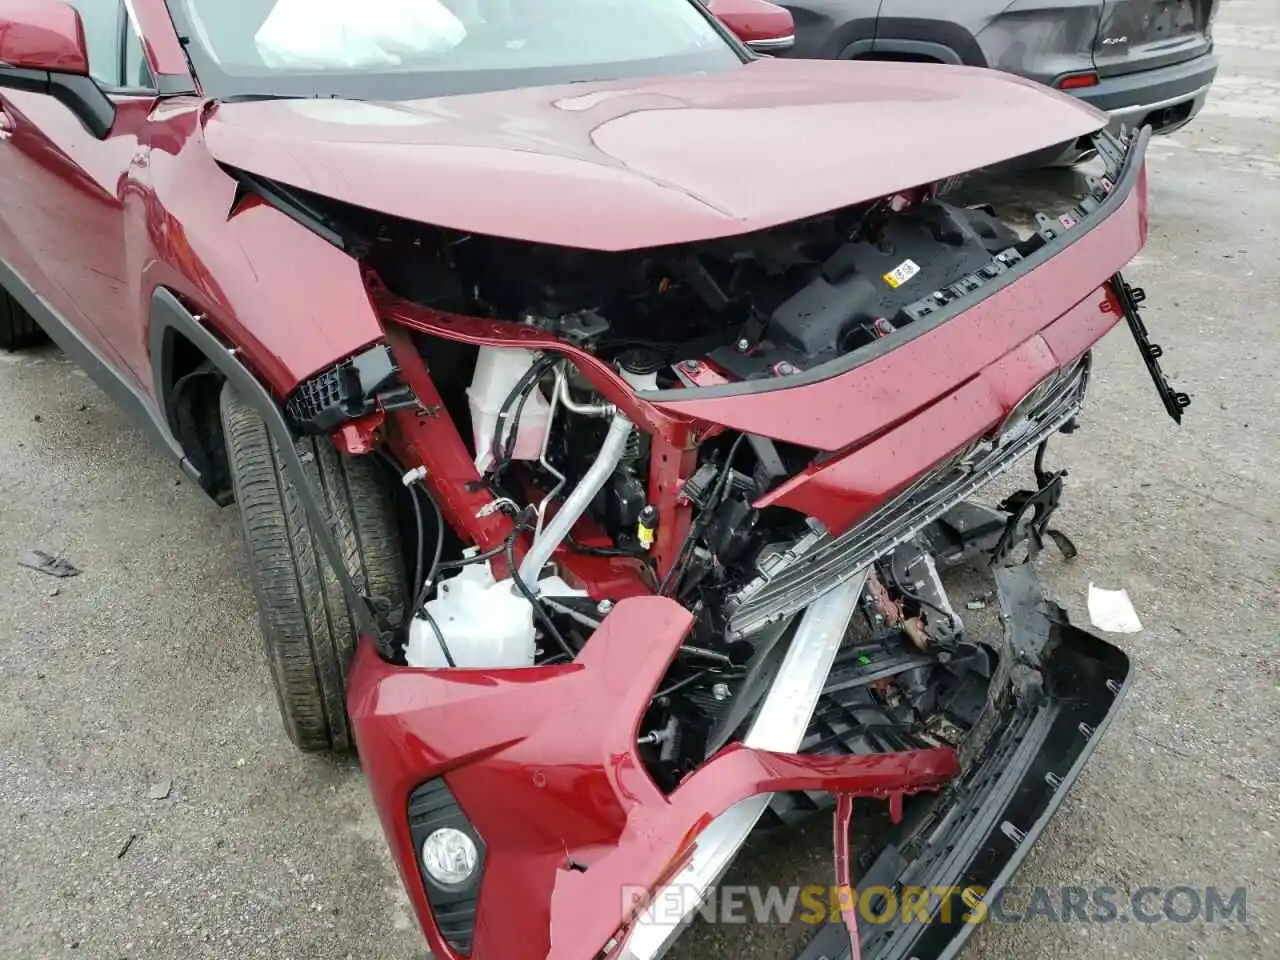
column 169, row 319
column 852, row 33
column 891, row 31
column 933, row 50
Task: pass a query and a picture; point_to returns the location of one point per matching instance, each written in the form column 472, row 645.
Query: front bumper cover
column 983, row 826
column 542, row 762
column 542, row 765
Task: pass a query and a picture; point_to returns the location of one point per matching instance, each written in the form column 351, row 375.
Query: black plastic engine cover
column 865, row 281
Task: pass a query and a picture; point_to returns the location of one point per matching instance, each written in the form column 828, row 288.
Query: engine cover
column 867, row 281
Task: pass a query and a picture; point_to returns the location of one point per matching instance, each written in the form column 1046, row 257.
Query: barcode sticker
column 901, row 273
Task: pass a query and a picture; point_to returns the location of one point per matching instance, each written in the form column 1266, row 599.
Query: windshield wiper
column 256, row 97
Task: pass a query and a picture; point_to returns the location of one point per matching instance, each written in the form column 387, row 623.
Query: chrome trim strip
column 831, row 560
column 773, row 44
column 779, row 726
column 1122, row 112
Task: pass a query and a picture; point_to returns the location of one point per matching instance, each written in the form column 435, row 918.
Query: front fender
column 291, row 303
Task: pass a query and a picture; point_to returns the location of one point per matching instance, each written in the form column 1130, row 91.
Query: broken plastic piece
column 1112, row 611
column 124, row 847
column 53, row 566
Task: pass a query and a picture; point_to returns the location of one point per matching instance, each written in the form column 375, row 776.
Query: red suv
column 602, row 401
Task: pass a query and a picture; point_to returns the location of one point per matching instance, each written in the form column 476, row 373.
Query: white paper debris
column 1112, row 611
column 341, row 35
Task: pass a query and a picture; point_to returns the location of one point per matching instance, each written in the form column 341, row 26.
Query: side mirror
column 43, row 50
column 764, row 27
column 36, row 35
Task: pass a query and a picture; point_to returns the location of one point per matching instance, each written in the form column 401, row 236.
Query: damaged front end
column 694, row 506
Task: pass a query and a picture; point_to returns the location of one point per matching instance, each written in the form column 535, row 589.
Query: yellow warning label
column 901, row 273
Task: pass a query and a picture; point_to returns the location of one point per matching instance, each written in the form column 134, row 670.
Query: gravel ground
column 151, row 807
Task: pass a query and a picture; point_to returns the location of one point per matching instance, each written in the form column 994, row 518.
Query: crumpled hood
column 632, row 164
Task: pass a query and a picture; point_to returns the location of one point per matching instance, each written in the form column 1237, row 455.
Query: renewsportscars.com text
column 1013, row 904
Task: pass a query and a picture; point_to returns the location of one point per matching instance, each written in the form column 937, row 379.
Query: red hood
column 631, row 164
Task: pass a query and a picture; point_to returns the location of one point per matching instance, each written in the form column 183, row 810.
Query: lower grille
column 819, row 562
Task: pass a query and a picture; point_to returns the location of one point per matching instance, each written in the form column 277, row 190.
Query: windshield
column 406, row 49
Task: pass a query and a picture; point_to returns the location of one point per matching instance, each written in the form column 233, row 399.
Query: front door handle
column 6, row 124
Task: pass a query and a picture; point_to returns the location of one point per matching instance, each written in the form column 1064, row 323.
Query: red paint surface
column 543, row 763
column 433, row 438
column 498, row 333
column 840, row 492
column 754, row 19
column 670, row 466
column 160, row 40
column 97, row 225
column 40, row 35
column 362, row 436
column 644, row 163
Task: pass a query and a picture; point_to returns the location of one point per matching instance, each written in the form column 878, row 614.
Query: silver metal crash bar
column 780, row 726
column 576, row 504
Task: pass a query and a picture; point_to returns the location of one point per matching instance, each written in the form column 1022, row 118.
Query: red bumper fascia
column 543, row 764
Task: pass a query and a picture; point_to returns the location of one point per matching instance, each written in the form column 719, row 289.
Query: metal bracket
column 1130, row 298
column 1030, row 513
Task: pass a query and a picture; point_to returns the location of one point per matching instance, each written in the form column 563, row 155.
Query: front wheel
column 307, row 627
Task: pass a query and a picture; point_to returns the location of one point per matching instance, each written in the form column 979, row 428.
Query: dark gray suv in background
column 1142, row 61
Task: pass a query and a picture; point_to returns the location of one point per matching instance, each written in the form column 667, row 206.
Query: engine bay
column 753, row 307
column 596, row 508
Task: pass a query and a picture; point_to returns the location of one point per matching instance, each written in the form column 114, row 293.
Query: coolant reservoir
column 498, row 370
column 640, row 369
column 484, row 624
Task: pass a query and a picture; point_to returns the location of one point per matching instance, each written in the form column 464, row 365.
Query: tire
column 307, row 627
column 17, row 328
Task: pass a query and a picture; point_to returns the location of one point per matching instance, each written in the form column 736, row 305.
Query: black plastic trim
column 858, row 49
column 293, row 203
column 1129, row 297
column 941, row 52
column 938, row 32
column 980, row 834
column 168, row 316
column 1124, row 182
column 174, row 85
column 81, row 95
column 129, row 396
column 819, row 37
column 1128, row 91
column 432, row 806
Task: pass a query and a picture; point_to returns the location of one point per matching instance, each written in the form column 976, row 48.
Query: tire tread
column 308, row 631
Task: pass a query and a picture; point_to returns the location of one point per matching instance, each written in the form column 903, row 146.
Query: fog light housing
column 451, row 861
column 450, row 857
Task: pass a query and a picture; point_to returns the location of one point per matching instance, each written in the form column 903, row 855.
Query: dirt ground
column 151, row 806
